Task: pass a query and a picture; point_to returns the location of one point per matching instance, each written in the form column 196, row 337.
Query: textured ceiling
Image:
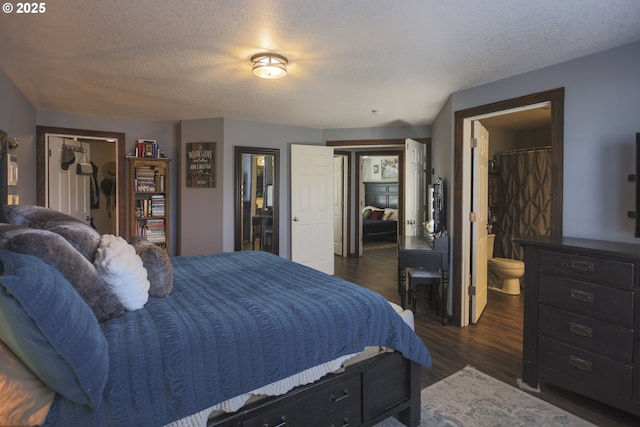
column 173, row 60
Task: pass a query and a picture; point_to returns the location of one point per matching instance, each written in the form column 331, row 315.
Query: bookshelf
column 149, row 200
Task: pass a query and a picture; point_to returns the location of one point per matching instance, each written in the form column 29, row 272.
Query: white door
column 414, row 187
column 312, row 206
column 479, row 203
column 338, row 205
column 68, row 192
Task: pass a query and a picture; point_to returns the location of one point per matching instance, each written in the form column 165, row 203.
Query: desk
column 418, row 252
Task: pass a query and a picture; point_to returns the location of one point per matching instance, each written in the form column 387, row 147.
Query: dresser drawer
column 583, row 371
column 602, row 302
column 337, row 405
column 619, row 273
column 596, row 336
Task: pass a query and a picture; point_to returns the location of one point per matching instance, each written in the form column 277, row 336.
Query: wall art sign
column 201, row 164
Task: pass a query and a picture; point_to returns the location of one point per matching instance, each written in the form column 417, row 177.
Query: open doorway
column 354, row 196
column 379, row 187
column 462, row 291
column 108, row 154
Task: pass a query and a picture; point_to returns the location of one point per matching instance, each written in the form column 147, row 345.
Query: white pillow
column 390, row 214
column 123, row 271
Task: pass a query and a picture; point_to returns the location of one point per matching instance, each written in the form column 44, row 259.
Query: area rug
column 472, row 398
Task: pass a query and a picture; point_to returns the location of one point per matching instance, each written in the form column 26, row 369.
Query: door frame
column 41, row 168
column 555, row 97
column 363, row 147
column 359, row 196
column 345, row 179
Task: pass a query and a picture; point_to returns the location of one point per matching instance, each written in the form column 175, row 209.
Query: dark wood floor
column 493, row 345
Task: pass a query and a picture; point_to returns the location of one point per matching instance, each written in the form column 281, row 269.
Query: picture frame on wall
column 376, row 168
column 389, row 167
column 201, row 164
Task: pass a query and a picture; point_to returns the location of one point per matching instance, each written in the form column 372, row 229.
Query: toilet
column 503, row 274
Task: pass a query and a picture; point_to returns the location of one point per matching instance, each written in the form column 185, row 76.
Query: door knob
column 295, row 218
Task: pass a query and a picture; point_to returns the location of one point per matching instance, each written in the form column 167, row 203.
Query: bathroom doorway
column 515, row 198
column 462, row 292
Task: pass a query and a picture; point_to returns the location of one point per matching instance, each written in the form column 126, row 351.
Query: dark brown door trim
column 556, row 98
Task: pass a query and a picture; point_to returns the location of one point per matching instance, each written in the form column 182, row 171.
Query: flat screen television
column 637, row 180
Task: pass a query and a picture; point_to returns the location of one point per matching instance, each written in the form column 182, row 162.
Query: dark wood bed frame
column 381, row 195
column 363, row 395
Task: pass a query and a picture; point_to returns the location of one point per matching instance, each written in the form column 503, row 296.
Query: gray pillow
column 158, row 265
column 58, row 253
column 81, row 236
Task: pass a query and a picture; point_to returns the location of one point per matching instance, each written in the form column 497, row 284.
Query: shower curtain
column 526, row 197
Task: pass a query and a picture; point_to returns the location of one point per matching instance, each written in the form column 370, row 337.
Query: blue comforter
column 234, row 322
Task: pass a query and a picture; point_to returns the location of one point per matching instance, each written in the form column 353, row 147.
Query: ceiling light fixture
column 269, row 65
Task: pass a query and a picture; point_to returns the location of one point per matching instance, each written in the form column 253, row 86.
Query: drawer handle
column 282, row 424
column 581, row 265
column 583, row 331
column 338, row 399
column 583, row 365
column 345, row 421
column 581, row 295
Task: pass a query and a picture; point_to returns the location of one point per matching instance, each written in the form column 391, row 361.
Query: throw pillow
column 376, row 214
column 81, row 236
column 121, row 268
column 51, row 329
column 158, row 265
column 390, row 214
column 366, row 213
column 58, row 253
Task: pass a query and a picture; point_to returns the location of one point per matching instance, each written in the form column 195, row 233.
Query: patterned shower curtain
column 526, row 197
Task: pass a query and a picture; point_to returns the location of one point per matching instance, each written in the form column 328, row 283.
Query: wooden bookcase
column 149, row 199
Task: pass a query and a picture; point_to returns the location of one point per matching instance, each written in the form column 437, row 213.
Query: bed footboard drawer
column 338, row 405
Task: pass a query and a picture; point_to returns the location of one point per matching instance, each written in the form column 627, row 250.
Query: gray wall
column 201, row 209
column 391, row 132
column 18, row 119
column 602, row 93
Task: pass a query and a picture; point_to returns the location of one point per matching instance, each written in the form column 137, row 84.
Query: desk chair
column 266, row 239
column 419, row 276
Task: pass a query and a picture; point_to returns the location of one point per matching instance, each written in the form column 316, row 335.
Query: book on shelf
column 151, row 207
column 152, row 229
column 147, row 148
column 157, row 205
column 149, row 179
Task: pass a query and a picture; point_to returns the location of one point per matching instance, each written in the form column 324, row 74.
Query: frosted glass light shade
column 269, row 65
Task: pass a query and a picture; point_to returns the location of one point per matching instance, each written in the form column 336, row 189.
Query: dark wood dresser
column 581, row 318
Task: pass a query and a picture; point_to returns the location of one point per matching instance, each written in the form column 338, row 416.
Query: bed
column 237, row 339
column 380, row 215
